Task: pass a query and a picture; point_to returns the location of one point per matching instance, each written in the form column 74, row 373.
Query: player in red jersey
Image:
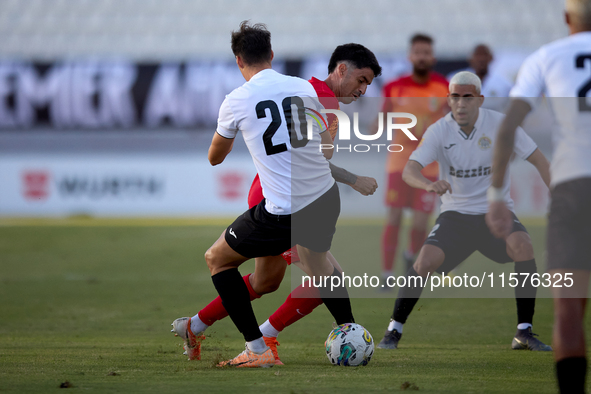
column 422, row 94
column 351, row 69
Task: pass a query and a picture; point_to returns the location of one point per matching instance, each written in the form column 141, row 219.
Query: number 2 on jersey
column 583, row 105
column 287, row 102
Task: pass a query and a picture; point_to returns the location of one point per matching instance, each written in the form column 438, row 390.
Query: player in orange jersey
column 422, row 94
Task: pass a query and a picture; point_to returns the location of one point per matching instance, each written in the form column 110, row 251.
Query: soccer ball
column 349, row 345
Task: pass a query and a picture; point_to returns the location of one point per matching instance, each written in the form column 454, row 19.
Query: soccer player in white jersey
column 302, row 202
column 461, row 142
column 562, row 71
column 351, row 68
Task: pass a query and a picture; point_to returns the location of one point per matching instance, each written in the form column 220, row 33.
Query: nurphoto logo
column 344, row 132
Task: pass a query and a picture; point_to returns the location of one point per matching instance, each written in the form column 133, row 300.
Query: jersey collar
column 454, row 125
column 262, row 73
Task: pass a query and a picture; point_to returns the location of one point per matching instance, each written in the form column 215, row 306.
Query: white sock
column 197, row 325
column 386, row 274
column 394, row 325
column 268, row 330
column 257, row 346
column 523, row 326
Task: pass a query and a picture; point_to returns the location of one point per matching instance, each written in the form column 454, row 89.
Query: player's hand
column 440, row 187
column 365, row 185
column 499, row 219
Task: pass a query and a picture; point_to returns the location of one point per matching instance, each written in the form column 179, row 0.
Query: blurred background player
column 495, row 87
column 461, row 142
column 559, row 70
column 422, row 94
column 352, row 67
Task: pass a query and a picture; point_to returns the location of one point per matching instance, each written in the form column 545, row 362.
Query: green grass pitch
column 91, row 302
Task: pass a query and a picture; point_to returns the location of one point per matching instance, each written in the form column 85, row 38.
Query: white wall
column 123, row 185
column 142, row 185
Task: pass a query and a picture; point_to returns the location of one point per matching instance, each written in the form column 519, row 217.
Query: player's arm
column 327, row 147
column 542, row 165
column 223, row 138
column 499, row 218
column 413, row 177
column 428, row 151
column 363, row 184
column 529, row 85
column 219, row 149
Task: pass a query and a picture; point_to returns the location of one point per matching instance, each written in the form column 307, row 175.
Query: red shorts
column 401, row 195
column 255, row 196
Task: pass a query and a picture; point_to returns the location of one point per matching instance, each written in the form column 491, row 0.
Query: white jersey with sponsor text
column 465, row 161
column 271, row 111
column 562, row 70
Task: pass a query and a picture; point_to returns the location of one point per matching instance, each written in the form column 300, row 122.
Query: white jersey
column 560, row 70
column 465, row 161
column 495, row 89
column 271, row 110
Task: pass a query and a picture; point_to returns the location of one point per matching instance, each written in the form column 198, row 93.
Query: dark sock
column 236, row 300
column 407, row 297
column 337, row 301
column 571, row 374
column 525, row 293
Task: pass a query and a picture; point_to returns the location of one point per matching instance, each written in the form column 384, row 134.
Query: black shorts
column 314, row 226
column 258, row 233
column 569, row 226
column 459, row 235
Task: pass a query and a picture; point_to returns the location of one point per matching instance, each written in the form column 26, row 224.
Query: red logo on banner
column 35, row 184
column 231, row 185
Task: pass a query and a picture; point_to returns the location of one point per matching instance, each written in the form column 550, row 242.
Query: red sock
column 389, row 245
column 215, row 310
column 295, row 307
column 417, row 239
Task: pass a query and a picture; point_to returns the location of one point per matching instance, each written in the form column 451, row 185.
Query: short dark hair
column 252, row 43
column 420, row 37
column 358, row 55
